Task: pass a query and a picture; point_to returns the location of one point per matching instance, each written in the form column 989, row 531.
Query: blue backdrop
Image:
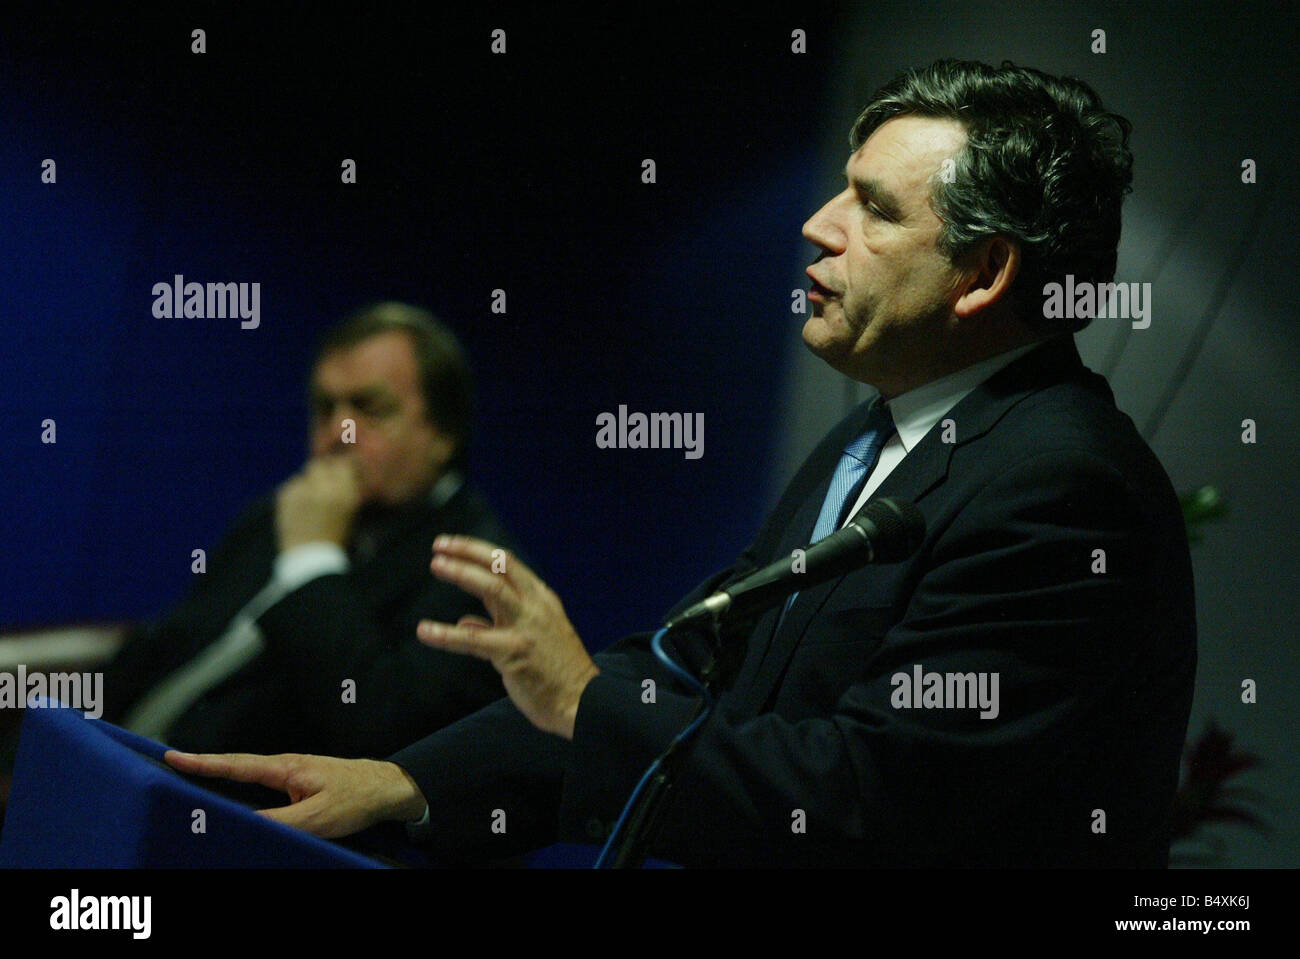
column 474, row 172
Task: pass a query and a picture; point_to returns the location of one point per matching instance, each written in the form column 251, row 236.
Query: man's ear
column 993, row 265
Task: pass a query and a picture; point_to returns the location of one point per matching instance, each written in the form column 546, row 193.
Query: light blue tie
column 858, row 459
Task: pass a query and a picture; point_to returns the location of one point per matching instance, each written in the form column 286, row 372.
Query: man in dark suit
column 300, row 634
column 1015, row 692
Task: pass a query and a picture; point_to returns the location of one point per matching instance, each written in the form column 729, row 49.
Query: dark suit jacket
column 1095, row 672
column 358, row 625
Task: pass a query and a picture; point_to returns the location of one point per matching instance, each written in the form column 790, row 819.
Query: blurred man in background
column 300, row 635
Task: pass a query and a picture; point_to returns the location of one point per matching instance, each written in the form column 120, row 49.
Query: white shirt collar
column 916, row 411
column 447, row 486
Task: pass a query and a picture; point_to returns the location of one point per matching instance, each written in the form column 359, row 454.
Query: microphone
column 885, row 530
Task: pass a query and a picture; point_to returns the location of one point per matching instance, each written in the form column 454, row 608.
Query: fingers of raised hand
column 497, row 591
column 495, row 559
column 482, row 641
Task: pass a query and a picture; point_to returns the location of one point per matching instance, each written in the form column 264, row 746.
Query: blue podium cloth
column 88, row 794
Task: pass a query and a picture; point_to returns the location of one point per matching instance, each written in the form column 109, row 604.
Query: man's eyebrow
column 879, row 193
column 370, row 393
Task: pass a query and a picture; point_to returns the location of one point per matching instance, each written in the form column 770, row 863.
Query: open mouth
column 818, row 292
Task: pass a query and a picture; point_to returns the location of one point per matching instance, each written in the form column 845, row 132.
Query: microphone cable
column 656, row 645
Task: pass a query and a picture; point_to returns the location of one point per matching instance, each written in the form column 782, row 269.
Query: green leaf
column 1200, row 506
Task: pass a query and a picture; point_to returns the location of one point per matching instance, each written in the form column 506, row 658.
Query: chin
column 814, row 332
column 820, row 341
column 371, row 495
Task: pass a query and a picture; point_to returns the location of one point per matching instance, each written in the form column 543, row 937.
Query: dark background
column 522, row 172
column 475, row 172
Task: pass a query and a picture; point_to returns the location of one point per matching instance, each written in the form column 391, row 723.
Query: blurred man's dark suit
column 358, row 625
column 1096, row 671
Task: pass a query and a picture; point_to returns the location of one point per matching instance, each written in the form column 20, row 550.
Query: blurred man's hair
column 1045, row 165
column 445, row 378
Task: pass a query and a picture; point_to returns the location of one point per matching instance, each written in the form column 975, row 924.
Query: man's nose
column 823, row 229
column 332, row 427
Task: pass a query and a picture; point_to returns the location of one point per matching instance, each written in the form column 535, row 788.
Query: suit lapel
column 923, row 469
column 798, row 530
column 920, row 471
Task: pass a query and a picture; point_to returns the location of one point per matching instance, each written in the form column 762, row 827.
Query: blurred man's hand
column 330, row 797
column 319, row 503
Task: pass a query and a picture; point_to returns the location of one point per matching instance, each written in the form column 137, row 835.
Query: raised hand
column 530, row 640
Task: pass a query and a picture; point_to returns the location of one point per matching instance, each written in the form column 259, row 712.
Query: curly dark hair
column 1045, row 165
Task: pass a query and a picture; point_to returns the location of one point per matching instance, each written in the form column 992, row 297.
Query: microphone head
column 895, row 528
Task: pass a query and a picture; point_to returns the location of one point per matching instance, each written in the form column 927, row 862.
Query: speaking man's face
column 376, row 384
column 882, row 292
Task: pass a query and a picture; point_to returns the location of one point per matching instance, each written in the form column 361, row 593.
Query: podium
column 88, row 794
